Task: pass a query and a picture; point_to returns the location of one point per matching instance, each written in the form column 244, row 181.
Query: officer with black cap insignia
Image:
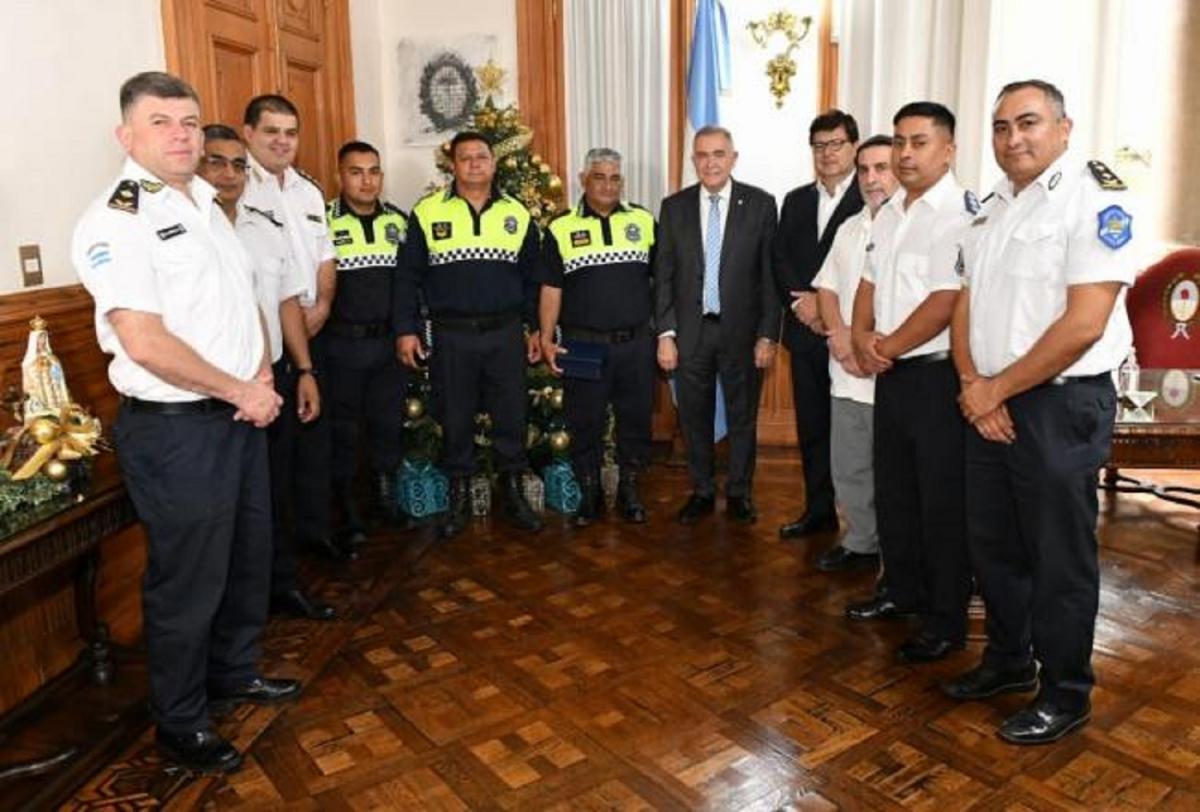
column 1037, row 335
column 366, row 379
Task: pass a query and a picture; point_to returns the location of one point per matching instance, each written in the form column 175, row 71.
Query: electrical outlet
column 31, row 264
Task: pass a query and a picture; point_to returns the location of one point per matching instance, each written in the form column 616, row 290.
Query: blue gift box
column 562, row 491
column 422, row 490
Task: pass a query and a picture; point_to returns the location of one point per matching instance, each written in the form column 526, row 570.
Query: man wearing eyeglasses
column 810, row 218
column 278, row 284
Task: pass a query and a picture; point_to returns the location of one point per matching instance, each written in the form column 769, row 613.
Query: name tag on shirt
column 316, row 218
column 171, row 231
column 580, row 238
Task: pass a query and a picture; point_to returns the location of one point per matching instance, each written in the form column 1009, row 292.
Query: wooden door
column 233, row 50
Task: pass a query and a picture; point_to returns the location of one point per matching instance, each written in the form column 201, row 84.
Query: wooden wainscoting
column 38, row 633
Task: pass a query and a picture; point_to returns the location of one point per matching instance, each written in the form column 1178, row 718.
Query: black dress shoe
column 629, row 502
column 741, row 509
column 296, row 603
column 260, row 691
column 332, row 548
column 696, row 508
column 984, row 681
column 201, row 751
column 810, row 525
column 515, row 509
column 839, row 559
column 927, row 648
column 1042, row 723
column 877, row 608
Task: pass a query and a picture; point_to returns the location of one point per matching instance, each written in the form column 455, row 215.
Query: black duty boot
column 629, row 503
column 513, row 505
column 386, row 508
column 591, row 502
column 354, row 529
column 458, row 513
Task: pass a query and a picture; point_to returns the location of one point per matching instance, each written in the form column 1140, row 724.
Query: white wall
column 63, row 63
column 376, row 27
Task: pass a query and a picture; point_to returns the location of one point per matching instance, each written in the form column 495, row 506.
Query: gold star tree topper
column 491, row 77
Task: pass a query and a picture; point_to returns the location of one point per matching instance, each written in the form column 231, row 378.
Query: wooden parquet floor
column 671, row 668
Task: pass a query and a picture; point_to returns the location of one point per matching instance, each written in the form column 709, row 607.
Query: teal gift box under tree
column 422, row 490
column 562, row 491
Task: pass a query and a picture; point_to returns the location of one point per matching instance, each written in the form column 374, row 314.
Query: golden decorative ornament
column 556, row 398
column 544, row 168
column 43, row 430
column 533, row 436
column 491, row 77
column 510, row 162
column 782, row 67
column 535, row 159
column 555, row 184
column 560, row 440
column 56, row 470
column 414, row 408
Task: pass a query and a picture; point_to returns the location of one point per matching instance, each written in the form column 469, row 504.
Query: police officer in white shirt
column 175, row 308
column 278, row 284
column 275, row 186
column 1043, row 324
column 853, row 391
column 901, row 333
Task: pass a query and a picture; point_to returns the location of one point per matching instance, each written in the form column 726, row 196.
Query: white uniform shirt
column 276, row 277
column 827, row 203
column 1022, row 253
column 914, row 253
column 300, row 206
column 155, row 251
column 840, row 274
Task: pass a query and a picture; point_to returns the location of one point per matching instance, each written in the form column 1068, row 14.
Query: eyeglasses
column 835, row 145
column 217, row 163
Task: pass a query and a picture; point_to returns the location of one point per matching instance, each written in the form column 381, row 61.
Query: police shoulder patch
column 98, row 254
column 633, row 233
column 391, row 233
column 510, row 224
column 1115, row 226
column 970, row 202
column 442, row 230
column 125, row 197
column 1105, row 177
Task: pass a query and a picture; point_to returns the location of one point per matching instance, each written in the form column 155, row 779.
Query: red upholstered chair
column 1164, row 309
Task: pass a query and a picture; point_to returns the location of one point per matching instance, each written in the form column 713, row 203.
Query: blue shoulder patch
column 1115, row 226
column 970, row 202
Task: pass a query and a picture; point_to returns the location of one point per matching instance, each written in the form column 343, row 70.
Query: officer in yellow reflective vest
column 471, row 252
column 596, row 289
column 366, row 380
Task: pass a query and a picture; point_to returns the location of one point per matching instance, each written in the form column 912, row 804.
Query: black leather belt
column 604, row 336
column 920, row 360
column 475, row 324
column 713, row 317
column 205, row 406
column 1068, row 380
column 346, row 329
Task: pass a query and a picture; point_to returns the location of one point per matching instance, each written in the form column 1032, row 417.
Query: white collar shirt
column 147, row 247
column 726, row 195
column 1022, row 253
column 276, row 277
column 827, row 203
column 840, row 274
column 913, row 253
column 300, row 206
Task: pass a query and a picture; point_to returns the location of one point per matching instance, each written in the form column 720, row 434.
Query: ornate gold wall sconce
column 782, row 67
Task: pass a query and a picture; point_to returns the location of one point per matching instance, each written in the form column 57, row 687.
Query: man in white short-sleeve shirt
column 1037, row 334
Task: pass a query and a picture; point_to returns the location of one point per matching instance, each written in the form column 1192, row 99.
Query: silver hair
column 597, row 155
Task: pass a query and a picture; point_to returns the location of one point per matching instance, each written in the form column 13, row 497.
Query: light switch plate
column 31, row 264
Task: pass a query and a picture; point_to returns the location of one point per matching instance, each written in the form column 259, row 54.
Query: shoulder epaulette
column 265, row 214
column 311, row 180
column 990, row 195
column 388, row 207
column 1105, row 177
column 125, row 197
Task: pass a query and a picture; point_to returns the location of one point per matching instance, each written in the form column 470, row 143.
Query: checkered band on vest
column 606, row 258
column 366, row 261
column 477, row 254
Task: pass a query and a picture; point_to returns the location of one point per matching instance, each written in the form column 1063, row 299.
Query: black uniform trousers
column 473, row 370
column 696, row 388
column 199, row 483
column 627, row 382
column 281, row 451
column 1031, row 522
column 365, row 384
column 920, row 494
column 810, row 394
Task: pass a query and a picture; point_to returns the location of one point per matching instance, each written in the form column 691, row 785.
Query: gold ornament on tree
column 560, row 440
column 782, row 67
column 556, row 399
column 414, row 408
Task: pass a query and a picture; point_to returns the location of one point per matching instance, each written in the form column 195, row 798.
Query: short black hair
column 356, row 146
column 874, row 141
column 1054, row 96
column 157, row 84
column 269, row 103
column 467, row 136
column 220, row 132
column 940, row 114
column 832, row 119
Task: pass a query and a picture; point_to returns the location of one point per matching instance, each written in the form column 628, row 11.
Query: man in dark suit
column 718, row 314
column 811, row 217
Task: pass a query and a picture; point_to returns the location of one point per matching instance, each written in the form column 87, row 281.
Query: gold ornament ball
column 533, row 436
column 56, row 470
column 413, row 408
column 510, row 162
column 544, row 168
column 556, row 398
column 560, row 440
column 555, row 184
column 43, row 430
column 535, row 159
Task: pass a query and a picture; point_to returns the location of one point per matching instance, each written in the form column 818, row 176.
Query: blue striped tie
column 712, row 258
